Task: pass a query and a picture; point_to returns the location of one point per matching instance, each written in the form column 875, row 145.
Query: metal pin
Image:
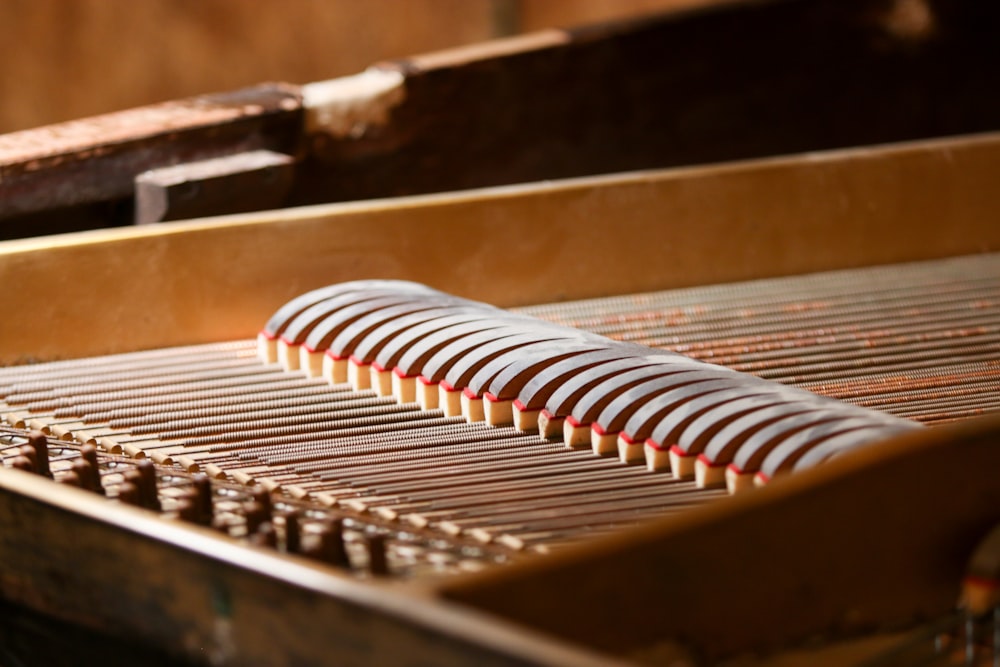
column 148, row 488
column 378, row 563
column 85, row 472
column 263, row 497
column 40, row 444
column 330, row 547
column 89, row 454
column 293, row 533
column 203, row 498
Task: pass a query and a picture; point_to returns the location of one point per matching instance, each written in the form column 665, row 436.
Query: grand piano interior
column 861, row 270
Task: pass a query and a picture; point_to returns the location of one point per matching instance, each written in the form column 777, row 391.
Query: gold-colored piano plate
column 126, row 289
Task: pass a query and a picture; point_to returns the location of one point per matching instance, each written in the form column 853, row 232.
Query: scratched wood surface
column 734, row 81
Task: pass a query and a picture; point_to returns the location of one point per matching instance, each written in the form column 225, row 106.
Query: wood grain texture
column 96, row 159
column 117, row 290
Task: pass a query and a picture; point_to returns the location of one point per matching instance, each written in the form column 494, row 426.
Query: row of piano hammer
column 469, row 359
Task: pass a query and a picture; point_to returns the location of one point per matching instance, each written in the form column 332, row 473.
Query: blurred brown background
column 65, row 59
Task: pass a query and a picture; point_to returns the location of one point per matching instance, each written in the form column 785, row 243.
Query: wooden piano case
column 867, row 543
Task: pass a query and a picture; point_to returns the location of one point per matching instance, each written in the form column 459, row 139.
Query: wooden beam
column 250, row 181
column 96, row 159
column 731, row 81
column 867, row 542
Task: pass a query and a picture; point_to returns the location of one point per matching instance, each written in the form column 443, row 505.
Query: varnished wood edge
column 674, row 612
column 408, row 603
column 35, row 149
column 948, row 147
column 95, row 159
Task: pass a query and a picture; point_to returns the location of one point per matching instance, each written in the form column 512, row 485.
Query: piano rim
column 227, row 589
